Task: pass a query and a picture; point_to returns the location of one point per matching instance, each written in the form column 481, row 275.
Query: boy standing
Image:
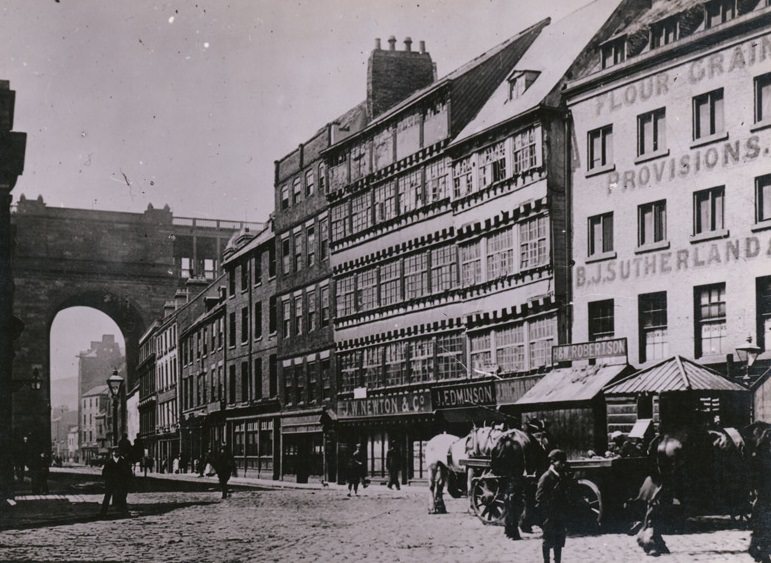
column 552, row 501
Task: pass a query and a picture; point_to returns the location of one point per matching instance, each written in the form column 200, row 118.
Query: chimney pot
column 422, row 46
column 377, row 43
column 392, row 43
column 408, row 44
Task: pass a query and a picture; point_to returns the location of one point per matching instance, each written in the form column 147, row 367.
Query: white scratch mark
column 171, row 19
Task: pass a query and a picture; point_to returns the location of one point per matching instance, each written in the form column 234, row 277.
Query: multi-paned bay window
column 450, row 356
column 542, row 334
column 471, row 263
column 340, row 221
column 534, row 242
column 480, row 349
column 385, row 201
column 462, row 177
column 338, row 172
column 421, row 359
column 525, row 149
column 361, row 212
column 651, row 223
column 500, row 254
column 416, row 275
column 396, row 363
column 410, row 191
column 510, row 348
column 654, row 342
column 436, row 181
column 710, row 314
column 345, row 296
column 373, row 366
column 390, row 283
column 444, row 268
column 350, row 368
column 366, row 289
column 492, row 164
column 513, row 348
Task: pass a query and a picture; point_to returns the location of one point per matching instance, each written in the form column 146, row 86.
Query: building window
column 366, row 289
column 245, row 324
column 613, row 52
column 298, row 314
column 763, row 293
column 286, row 255
column 245, row 391
column 288, row 374
column 534, row 242
column 231, row 330
column 436, row 181
column 287, row 318
column 719, row 11
column 285, row 197
column 273, row 375
column 410, row 191
column 471, row 264
column 651, row 132
column 651, row 223
column 258, row 378
column 500, row 254
column 322, row 178
column 325, row 306
column 664, row 32
column 710, row 319
column 492, row 164
column 186, row 267
column 373, row 367
column 524, row 150
column 297, row 191
column 298, row 251
column 444, row 268
column 258, row 319
column 462, row 177
column 708, row 210
column 310, row 183
column 232, row 282
column 654, row 344
column 543, row 333
column 272, row 315
column 361, row 215
column 312, row 317
column 708, row 115
column 601, row 325
column 421, row 360
column 271, row 261
column 510, row 348
column 763, row 98
column 416, row 275
column 310, row 234
column 396, row 363
column 324, row 238
column 340, row 223
column 350, row 364
column 345, row 296
column 600, row 147
column 232, row 384
column 244, row 276
column 258, row 268
column 480, row 348
column 600, row 234
column 209, row 268
column 763, row 198
column 313, row 382
column 326, row 381
column 385, row 202
column 390, row 283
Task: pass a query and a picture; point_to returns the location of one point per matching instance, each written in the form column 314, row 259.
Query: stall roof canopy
column 578, row 383
column 675, row 374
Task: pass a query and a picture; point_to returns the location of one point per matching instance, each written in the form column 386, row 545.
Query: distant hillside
column 65, row 392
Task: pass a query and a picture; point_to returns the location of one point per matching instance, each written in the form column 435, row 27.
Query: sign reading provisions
column 470, row 394
column 586, row 350
column 386, row 405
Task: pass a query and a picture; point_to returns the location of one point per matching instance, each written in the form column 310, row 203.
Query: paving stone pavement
column 323, row 525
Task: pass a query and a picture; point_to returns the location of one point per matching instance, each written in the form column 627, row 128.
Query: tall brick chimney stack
column 394, row 75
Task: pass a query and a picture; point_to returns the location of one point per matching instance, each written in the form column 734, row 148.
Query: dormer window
column 614, row 52
column 719, row 11
column 520, row 81
column 664, row 32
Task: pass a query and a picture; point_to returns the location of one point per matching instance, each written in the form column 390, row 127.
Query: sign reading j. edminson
column 386, row 405
column 479, row 393
column 615, row 347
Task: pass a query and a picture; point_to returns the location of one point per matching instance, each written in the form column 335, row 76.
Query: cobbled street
column 323, row 525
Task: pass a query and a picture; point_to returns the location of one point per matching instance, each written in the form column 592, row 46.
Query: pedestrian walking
column 40, row 467
column 355, row 470
column 117, row 478
column 175, row 465
column 552, row 500
column 224, row 464
column 393, row 464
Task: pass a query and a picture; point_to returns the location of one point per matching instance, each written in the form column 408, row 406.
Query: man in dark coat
column 355, row 470
column 224, row 464
column 393, row 463
column 552, row 500
column 117, row 477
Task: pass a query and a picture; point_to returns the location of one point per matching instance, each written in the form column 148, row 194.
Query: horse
column 517, row 456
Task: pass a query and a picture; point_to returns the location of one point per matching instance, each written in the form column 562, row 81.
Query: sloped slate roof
column 578, row 383
column 674, row 374
column 98, row 390
column 552, row 53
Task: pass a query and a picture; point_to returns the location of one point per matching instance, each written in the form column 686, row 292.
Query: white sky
column 194, row 100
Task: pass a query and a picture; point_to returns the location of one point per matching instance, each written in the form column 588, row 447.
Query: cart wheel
column 487, row 500
column 590, row 507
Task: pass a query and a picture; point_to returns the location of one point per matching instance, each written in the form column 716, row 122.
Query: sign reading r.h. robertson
column 613, row 348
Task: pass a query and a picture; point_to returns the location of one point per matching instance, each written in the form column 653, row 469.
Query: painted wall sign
column 387, row 405
column 613, row 348
column 728, row 251
column 470, row 394
column 725, row 155
column 740, row 57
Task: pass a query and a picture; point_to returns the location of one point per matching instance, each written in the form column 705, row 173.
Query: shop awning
column 302, row 424
column 573, row 384
column 672, row 375
column 476, row 415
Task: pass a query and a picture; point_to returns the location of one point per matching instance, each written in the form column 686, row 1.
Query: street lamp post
column 115, row 383
column 747, row 354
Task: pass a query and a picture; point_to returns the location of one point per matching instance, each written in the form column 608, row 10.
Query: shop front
column 405, row 419
column 303, row 453
column 254, row 445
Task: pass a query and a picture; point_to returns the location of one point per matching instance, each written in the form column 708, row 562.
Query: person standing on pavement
column 355, row 470
column 552, row 500
column 117, row 477
column 124, row 447
column 224, row 464
column 393, row 463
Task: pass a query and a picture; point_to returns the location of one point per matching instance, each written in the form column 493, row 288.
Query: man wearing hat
column 117, row 476
column 552, row 501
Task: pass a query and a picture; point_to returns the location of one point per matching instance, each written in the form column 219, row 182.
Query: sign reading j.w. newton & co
column 614, row 348
column 469, row 394
column 414, row 402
